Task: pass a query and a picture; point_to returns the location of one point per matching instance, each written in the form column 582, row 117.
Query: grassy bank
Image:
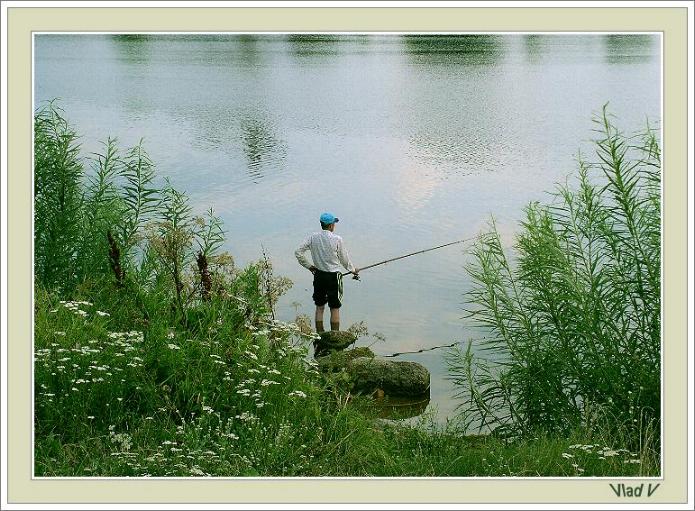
column 155, row 355
column 243, row 401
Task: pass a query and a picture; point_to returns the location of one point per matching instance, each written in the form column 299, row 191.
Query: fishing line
column 423, row 349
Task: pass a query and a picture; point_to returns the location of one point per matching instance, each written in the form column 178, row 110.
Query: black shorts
column 328, row 288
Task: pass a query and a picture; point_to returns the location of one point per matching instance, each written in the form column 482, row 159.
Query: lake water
column 412, row 141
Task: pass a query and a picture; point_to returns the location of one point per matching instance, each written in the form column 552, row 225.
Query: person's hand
column 355, row 274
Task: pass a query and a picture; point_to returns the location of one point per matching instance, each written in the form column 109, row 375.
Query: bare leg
column 335, row 319
column 319, row 318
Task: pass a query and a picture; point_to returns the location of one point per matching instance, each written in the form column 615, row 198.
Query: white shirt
column 327, row 252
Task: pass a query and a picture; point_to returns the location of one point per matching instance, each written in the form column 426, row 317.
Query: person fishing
column 328, row 253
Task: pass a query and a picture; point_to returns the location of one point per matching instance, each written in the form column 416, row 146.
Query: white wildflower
column 121, row 438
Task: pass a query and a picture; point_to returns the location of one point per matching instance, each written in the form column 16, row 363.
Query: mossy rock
column 331, row 341
column 395, row 378
column 372, row 375
column 339, row 360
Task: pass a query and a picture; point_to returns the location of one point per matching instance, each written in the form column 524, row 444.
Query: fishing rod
column 356, row 277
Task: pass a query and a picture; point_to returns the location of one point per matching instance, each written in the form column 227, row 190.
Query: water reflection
column 629, row 48
column 132, row 48
column 314, row 44
column 466, row 49
column 240, row 50
column 130, row 37
column 534, row 45
column 396, row 408
column 243, row 50
column 262, row 148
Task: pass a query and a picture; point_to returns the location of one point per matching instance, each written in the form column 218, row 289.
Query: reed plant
column 58, row 198
column 103, row 212
column 570, row 321
column 112, row 223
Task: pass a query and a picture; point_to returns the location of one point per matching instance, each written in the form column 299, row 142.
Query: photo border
column 22, row 22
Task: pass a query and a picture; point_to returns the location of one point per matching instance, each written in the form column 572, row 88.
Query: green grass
column 162, row 400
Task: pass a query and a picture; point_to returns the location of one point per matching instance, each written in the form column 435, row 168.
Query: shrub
column 572, row 321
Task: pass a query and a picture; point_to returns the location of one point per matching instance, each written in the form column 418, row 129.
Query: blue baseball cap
column 328, row 218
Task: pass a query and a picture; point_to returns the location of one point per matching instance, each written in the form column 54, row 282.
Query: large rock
column 334, row 340
column 395, row 378
column 378, row 376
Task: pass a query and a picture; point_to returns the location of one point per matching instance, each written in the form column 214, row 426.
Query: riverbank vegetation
column 156, row 355
column 571, row 319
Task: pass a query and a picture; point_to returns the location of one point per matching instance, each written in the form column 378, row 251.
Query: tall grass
column 112, row 224
column 570, row 323
column 58, row 199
